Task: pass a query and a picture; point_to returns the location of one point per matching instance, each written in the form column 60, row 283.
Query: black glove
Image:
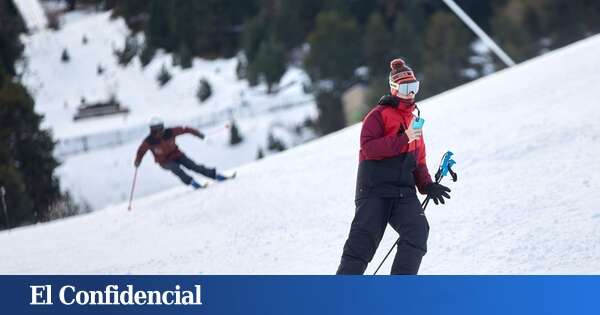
column 437, row 192
column 201, row 136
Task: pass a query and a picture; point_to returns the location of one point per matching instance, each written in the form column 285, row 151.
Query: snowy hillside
column 91, row 40
column 102, row 149
column 527, row 142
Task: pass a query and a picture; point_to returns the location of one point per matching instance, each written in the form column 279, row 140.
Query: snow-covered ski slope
column 102, row 149
column 91, row 40
column 527, row 142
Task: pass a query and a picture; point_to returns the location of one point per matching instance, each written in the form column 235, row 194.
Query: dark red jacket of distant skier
column 163, row 147
column 390, row 166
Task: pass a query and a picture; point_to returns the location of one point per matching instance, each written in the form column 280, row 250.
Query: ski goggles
column 406, row 88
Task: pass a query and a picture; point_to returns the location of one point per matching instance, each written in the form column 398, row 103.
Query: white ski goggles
column 406, row 88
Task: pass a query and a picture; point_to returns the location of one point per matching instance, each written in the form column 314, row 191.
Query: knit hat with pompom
column 400, row 73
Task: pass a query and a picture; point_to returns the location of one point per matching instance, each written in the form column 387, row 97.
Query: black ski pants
column 175, row 167
column 372, row 215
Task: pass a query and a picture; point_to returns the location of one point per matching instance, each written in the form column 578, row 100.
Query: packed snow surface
column 526, row 140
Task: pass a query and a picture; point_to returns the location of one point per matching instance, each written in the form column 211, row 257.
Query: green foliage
column 207, row 28
column 260, row 153
column 270, row 62
column 147, row 55
column 65, row 57
column 254, row 31
column 234, row 134
column 333, row 29
column 135, row 12
column 10, row 45
column 129, row 51
column 99, row 69
column 204, row 90
column 159, row 27
column 565, row 21
column 274, row 143
column 287, row 21
column 446, row 53
column 26, row 161
column 335, row 52
column 335, row 48
column 235, row 137
column 377, row 43
column 408, row 42
column 183, row 57
column 331, row 114
column 164, row 76
column 241, row 69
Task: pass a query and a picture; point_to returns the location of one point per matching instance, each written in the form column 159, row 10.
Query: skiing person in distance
column 161, row 142
column 391, row 163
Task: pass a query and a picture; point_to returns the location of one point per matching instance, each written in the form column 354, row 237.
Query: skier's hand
column 437, row 192
column 413, row 134
column 201, row 135
column 137, row 163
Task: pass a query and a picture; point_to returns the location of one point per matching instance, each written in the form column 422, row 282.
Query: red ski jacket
column 164, row 147
column 388, row 165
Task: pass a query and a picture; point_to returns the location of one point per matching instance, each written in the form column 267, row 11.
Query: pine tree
column 11, row 26
column 335, row 48
column 274, row 143
column 129, row 51
column 147, row 55
column 65, row 57
column 99, row 69
column 255, row 30
column 260, row 153
column 204, row 90
column 159, row 33
column 270, row 62
column 513, row 26
column 164, row 76
column 565, row 21
column 185, row 56
column 447, row 49
column 331, row 113
column 234, row 134
column 26, row 161
column 408, row 42
column 377, row 44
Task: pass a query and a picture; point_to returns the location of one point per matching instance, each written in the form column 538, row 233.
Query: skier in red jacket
column 161, row 142
column 391, row 163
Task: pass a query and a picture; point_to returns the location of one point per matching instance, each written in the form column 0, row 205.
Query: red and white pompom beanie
column 400, row 73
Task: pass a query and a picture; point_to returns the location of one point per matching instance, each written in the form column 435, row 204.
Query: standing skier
column 161, row 142
column 391, row 163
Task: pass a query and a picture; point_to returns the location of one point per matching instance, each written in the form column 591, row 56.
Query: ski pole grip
column 447, row 162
